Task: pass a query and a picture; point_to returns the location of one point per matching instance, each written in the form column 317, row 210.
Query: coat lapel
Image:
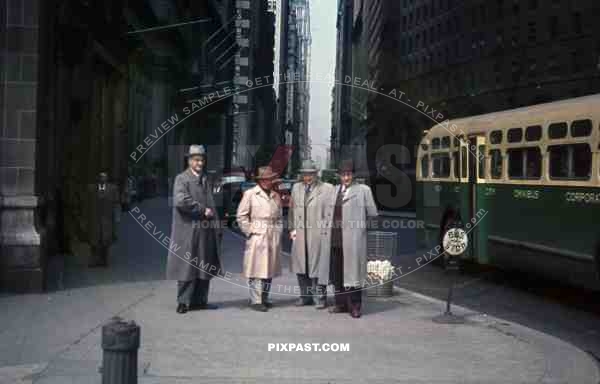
column 350, row 192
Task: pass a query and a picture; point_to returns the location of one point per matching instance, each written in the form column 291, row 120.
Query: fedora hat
column 265, row 173
column 346, row 166
column 309, row 166
column 196, row 150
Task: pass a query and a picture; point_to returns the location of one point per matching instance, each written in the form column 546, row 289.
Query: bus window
column 456, row 142
column 441, row 165
column 524, row 163
column 446, row 142
column 435, row 143
column 481, row 155
column 496, row 163
column 463, row 162
column 581, row 128
column 515, row 163
column 456, row 164
column 570, row 162
column 514, row 135
column 425, row 167
column 533, row 133
column 496, row 137
column 557, row 130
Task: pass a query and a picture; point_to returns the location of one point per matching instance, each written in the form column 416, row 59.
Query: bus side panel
column 526, row 218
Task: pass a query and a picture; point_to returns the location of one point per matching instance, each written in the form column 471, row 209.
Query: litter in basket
column 381, row 247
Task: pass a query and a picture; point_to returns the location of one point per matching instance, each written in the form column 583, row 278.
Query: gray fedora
column 309, row 166
column 196, row 150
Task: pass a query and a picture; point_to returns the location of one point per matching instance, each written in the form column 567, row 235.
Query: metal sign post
column 455, row 243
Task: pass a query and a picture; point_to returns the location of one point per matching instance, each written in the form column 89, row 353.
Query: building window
column 496, row 164
column 553, row 26
column 533, row 4
column 570, row 162
column 577, row 23
column 524, row 163
column 532, row 32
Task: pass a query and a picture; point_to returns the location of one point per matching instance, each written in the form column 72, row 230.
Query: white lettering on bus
column 583, row 197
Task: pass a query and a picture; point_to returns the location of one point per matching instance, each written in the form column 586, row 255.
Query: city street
column 55, row 337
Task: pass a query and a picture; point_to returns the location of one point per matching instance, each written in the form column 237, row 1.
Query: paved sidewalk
column 55, row 338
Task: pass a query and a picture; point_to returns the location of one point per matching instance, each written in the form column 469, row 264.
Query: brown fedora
column 265, row 173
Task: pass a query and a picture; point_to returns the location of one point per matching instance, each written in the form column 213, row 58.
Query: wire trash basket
column 381, row 248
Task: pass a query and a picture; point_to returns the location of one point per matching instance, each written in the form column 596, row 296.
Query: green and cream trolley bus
column 524, row 182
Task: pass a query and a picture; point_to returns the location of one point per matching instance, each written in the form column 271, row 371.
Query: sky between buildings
column 323, row 15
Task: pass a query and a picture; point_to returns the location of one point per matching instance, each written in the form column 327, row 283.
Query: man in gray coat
column 310, row 233
column 195, row 235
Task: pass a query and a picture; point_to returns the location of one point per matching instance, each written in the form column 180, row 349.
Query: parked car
column 284, row 188
column 226, row 192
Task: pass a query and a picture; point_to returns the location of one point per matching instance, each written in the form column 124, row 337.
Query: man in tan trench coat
column 259, row 218
column 310, row 229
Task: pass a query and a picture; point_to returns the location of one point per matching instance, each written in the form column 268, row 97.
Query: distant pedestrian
column 103, row 208
column 310, row 232
column 353, row 206
column 195, row 235
column 259, row 218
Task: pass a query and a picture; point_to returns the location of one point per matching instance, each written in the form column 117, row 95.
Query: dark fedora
column 346, row 166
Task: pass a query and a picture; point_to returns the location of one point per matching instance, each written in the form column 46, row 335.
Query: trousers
column 193, row 292
column 310, row 290
column 259, row 290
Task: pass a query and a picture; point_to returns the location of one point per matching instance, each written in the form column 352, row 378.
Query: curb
column 524, row 334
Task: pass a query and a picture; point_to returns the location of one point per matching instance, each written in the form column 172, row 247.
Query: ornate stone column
column 21, row 257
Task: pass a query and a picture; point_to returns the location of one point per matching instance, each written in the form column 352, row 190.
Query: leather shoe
column 258, row 307
column 338, row 309
column 182, row 308
column 321, row 306
column 200, row 307
column 268, row 304
column 355, row 312
column 302, row 302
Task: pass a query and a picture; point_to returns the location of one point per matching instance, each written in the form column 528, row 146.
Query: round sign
column 455, row 241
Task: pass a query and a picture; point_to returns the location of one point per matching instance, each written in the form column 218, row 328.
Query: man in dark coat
column 352, row 209
column 195, row 235
column 103, row 199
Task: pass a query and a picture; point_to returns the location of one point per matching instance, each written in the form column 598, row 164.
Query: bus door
column 476, row 177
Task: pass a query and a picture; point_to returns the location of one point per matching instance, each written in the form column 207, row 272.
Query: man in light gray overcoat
column 310, row 230
column 195, row 235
